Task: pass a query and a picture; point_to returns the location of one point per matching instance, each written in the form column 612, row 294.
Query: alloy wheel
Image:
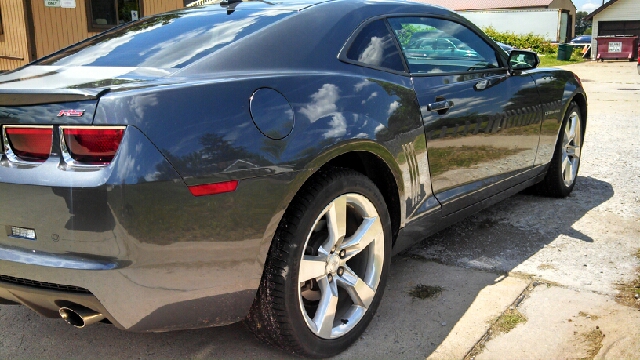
column 571, row 147
column 341, row 266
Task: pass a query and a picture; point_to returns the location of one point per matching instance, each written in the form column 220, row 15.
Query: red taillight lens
column 214, row 189
column 30, row 143
column 93, row 146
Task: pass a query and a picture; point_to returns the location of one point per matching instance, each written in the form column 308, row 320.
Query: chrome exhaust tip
column 79, row 316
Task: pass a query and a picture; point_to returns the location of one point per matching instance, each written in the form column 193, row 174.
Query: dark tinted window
column 375, row 46
column 103, row 12
column 172, row 40
column 434, row 46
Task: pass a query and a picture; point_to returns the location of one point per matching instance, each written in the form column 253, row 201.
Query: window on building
column 105, row 14
column 1, row 24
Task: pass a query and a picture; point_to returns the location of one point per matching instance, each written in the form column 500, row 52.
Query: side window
column 434, row 46
column 375, row 46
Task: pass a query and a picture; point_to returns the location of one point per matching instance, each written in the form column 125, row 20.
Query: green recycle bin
column 564, row 51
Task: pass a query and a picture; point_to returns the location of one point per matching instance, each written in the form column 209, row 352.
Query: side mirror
column 521, row 60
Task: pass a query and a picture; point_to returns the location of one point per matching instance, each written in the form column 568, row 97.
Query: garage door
column 619, row 28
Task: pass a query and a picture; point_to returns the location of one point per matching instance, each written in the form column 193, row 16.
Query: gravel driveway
column 576, row 250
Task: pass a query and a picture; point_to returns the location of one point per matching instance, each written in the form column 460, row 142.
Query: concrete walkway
column 571, row 282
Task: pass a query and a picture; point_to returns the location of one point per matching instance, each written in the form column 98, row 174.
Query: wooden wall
column 56, row 28
column 13, row 44
column 152, row 7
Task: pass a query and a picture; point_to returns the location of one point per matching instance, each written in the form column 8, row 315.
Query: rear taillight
column 29, row 143
column 92, row 145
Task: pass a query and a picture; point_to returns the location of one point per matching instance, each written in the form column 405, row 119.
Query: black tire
column 276, row 315
column 554, row 183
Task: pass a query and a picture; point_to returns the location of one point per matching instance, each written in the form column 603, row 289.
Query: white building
column 554, row 20
column 617, row 17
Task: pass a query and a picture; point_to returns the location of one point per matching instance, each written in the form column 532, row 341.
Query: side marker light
column 214, row 189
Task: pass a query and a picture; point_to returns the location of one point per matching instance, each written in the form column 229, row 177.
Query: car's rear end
column 95, row 222
column 62, row 194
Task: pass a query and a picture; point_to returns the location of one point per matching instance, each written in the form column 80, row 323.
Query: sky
column 587, row 5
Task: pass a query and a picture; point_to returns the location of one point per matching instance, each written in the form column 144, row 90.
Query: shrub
column 529, row 41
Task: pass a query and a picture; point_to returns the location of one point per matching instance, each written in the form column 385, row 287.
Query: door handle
column 440, row 106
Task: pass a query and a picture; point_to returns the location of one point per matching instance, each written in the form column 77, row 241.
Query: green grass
column 551, row 60
column 425, row 291
column 508, row 321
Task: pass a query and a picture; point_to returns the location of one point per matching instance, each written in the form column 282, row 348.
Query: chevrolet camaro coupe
column 262, row 161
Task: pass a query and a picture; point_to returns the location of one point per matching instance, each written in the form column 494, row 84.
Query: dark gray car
column 263, row 162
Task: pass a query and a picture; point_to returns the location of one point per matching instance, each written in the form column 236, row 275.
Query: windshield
column 172, row 40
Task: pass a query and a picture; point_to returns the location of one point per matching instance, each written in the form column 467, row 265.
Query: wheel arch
column 581, row 100
column 376, row 169
column 375, row 162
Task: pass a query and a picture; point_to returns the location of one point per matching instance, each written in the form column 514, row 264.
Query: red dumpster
column 617, row 47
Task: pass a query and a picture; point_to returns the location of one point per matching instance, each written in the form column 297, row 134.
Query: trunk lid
column 50, row 95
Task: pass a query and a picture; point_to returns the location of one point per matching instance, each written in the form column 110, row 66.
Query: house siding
column 57, row 28
column 14, row 51
column 621, row 10
column 152, row 7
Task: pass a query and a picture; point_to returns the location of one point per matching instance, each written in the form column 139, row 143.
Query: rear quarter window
column 375, row 46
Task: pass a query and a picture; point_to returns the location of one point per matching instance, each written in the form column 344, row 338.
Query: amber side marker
column 214, row 189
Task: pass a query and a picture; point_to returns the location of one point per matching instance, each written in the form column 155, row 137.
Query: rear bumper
column 46, row 302
column 127, row 305
column 151, row 256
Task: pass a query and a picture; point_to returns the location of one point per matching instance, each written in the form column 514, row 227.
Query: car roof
column 309, row 39
column 221, row 5
column 296, row 35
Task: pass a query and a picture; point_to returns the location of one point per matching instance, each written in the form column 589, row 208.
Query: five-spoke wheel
column 326, row 268
column 563, row 169
column 341, row 266
column 571, row 145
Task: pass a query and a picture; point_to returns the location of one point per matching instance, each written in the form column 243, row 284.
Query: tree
column 581, row 24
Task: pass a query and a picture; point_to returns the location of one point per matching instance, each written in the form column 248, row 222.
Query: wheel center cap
column 333, row 263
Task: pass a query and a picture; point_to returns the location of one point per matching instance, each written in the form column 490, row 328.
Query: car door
column 482, row 125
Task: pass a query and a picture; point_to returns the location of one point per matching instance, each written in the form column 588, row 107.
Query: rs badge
column 71, row 113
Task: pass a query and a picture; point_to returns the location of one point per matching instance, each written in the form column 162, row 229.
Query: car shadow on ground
column 462, row 260
column 503, row 236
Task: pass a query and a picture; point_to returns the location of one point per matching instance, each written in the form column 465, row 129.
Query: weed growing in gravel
column 508, row 321
column 425, row 291
column 546, row 267
column 594, row 342
column 584, row 314
column 629, row 294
